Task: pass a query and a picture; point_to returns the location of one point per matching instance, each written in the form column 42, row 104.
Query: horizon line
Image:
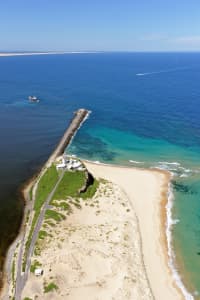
column 18, row 52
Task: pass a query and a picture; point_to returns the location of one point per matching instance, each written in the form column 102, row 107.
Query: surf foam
column 136, row 162
column 171, row 256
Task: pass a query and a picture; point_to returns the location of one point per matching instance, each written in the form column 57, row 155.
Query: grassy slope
column 70, row 185
column 45, row 186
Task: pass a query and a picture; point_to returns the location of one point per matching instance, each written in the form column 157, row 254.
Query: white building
column 60, row 166
column 38, row 272
column 76, row 164
column 70, row 164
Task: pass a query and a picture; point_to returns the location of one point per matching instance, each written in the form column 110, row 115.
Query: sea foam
column 136, row 162
column 175, row 168
column 171, row 256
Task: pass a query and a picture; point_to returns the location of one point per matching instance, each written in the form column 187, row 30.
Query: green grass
column 35, row 265
column 27, row 298
column 62, row 204
column 48, row 222
column 91, row 190
column 13, row 271
column 37, row 250
column 50, row 287
column 45, row 186
column 42, row 234
column 70, row 185
column 52, row 214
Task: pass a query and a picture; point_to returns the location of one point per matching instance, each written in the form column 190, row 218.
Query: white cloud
column 167, row 42
column 193, row 41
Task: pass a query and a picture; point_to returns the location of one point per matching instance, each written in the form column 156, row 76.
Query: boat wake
column 159, row 72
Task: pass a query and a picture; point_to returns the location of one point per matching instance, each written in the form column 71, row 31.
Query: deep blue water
column 152, row 118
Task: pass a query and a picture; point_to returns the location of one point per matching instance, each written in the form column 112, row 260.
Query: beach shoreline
column 159, row 227
column 147, row 191
column 163, row 178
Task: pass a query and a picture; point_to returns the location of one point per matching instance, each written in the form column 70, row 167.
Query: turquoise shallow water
column 151, row 118
column 118, row 146
column 114, row 146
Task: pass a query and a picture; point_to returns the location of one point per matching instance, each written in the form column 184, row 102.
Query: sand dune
column 111, row 248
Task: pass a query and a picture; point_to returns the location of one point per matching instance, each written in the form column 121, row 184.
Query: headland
column 107, row 239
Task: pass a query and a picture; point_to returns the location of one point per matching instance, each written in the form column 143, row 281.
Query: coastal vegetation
column 70, row 185
column 45, row 186
column 13, row 272
column 62, row 204
column 50, row 287
column 42, row 234
column 52, row 214
column 91, row 190
column 67, row 192
column 35, row 265
column 66, row 195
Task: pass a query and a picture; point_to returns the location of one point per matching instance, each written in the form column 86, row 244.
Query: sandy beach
column 112, row 246
column 147, row 192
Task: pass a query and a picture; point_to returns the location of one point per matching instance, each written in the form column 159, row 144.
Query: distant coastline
column 43, row 53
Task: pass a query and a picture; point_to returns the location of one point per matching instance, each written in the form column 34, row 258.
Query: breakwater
column 80, row 116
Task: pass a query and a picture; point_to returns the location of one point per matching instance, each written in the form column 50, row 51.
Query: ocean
column 145, row 113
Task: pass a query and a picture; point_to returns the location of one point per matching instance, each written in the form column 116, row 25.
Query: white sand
column 100, row 253
column 146, row 190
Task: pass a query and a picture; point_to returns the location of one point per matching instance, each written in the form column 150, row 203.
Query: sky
column 100, row 25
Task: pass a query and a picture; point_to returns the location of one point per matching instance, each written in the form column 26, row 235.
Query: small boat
column 33, row 99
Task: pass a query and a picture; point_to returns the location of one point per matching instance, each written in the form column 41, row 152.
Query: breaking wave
column 175, row 168
column 171, row 255
column 136, row 162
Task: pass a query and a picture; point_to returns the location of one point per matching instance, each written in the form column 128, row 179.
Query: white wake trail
column 161, row 71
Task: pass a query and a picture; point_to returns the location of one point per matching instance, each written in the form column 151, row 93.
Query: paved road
column 76, row 122
column 10, row 255
column 22, row 278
